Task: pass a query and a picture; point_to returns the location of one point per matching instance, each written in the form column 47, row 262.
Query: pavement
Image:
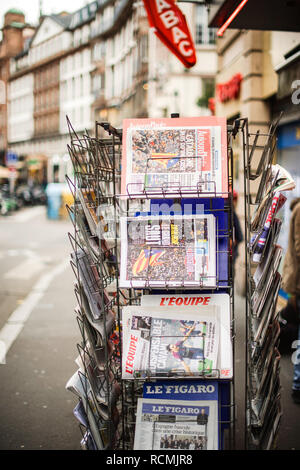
column 38, row 323
column 39, row 328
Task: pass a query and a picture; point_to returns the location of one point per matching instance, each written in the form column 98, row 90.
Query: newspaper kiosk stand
column 108, row 401
column 264, row 186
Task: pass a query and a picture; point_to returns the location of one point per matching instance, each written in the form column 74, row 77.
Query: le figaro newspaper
column 164, row 250
column 163, row 342
column 174, row 155
column 177, row 415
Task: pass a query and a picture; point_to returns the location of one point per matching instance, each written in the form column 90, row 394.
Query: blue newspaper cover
column 178, row 415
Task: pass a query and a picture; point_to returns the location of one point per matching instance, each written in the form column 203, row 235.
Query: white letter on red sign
column 183, row 51
column 178, row 34
column 162, row 5
column 169, row 19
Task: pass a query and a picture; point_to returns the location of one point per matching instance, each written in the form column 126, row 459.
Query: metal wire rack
column 108, row 402
column 262, row 398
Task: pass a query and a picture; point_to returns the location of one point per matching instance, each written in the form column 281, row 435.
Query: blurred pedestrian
column 291, row 284
column 238, row 234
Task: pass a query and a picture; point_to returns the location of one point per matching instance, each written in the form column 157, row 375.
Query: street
column 39, row 328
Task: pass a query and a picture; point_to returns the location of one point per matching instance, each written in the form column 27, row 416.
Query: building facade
column 15, row 35
column 248, row 86
column 101, row 63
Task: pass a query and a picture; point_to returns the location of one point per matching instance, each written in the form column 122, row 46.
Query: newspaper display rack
column 183, row 404
column 262, row 257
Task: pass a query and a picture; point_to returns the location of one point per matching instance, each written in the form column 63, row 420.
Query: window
column 203, row 34
column 112, row 81
column 208, row 91
column 99, row 50
column 85, row 33
column 212, row 36
column 73, row 88
column 102, row 81
column 77, row 37
column 81, row 85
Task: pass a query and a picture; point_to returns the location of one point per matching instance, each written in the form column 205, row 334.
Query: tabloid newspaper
column 168, row 250
column 198, row 303
column 165, row 342
column 177, row 415
column 174, row 156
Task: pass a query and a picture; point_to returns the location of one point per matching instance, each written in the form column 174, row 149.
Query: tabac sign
column 169, row 24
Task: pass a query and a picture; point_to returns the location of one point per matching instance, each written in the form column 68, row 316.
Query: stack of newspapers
column 177, row 340
column 264, row 408
column 97, row 381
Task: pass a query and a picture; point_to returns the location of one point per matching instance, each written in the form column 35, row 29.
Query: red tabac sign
column 229, row 90
column 170, row 26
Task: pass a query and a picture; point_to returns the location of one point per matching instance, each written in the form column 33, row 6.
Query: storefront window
column 288, row 151
column 203, row 34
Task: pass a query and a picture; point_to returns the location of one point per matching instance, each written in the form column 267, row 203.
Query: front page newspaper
column 198, row 303
column 175, row 156
column 177, row 416
column 166, row 250
column 165, row 342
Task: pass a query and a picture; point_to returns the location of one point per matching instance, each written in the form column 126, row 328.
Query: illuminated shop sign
column 229, row 90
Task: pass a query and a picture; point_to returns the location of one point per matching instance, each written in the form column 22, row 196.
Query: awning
column 275, row 15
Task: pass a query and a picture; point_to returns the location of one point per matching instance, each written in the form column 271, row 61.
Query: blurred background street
column 36, row 311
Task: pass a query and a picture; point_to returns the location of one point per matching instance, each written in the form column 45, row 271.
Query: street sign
column 11, row 159
column 169, row 24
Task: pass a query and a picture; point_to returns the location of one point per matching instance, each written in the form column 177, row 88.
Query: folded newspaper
column 165, row 251
column 174, row 156
column 91, row 282
column 89, row 202
column 162, row 342
column 178, row 415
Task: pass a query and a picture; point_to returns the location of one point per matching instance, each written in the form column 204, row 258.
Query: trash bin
column 53, row 192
